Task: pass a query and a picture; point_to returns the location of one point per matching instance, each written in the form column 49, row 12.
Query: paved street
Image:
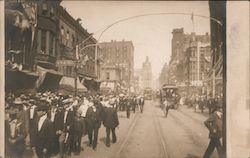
column 151, row 135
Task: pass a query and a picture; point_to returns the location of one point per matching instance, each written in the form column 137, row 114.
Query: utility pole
column 76, row 62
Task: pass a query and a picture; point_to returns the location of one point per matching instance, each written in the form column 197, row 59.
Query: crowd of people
column 53, row 124
column 201, row 102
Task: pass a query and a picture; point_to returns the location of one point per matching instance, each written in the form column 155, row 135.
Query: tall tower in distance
column 146, row 76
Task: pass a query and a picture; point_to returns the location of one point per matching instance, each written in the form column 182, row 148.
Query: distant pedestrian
column 141, row 104
column 167, row 106
column 128, row 106
column 210, row 104
column 214, row 125
column 134, row 103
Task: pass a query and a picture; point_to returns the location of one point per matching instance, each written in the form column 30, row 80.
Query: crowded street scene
column 111, row 126
column 114, row 79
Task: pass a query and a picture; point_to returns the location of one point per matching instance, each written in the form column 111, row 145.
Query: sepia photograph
column 124, row 79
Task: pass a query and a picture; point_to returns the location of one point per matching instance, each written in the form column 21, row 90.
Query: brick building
column 190, row 58
column 70, row 34
column 41, row 37
column 121, row 55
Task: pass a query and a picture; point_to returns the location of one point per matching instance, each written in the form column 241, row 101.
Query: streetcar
column 148, row 94
column 170, row 92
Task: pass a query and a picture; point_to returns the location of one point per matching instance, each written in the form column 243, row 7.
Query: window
column 107, row 75
column 62, row 30
column 67, row 36
column 68, row 70
column 124, row 48
column 17, row 19
column 43, row 42
column 44, row 8
column 51, row 11
column 51, row 43
column 73, row 40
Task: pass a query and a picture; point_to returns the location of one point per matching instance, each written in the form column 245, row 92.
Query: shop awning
column 19, row 80
column 48, row 80
column 91, row 84
column 68, row 84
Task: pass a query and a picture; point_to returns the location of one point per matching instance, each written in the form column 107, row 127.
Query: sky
column 151, row 35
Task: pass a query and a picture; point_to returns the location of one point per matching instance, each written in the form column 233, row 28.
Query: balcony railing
column 46, row 58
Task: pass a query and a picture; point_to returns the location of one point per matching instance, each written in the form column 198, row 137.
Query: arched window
column 62, row 30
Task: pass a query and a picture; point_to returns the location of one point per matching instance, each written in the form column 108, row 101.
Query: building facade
column 71, row 34
column 197, row 61
column 42, row 36
column 146, row 74
column 190, row 60
column 119, row 54
column 46, row 34
column 111, row 78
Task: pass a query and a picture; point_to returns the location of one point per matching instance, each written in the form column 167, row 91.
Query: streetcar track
column 194, row 119
column 160, row 134
column 125, row 142
column 192, row 134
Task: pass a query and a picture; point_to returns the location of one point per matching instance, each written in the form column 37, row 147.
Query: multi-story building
column 197, row 61
column 146, row 74
column 71, row 34
column 121, row 55
column 31, row 41
column 46, row 34
column 41, row 36
column 190, row 57
column 111, row 78
column 34, row 32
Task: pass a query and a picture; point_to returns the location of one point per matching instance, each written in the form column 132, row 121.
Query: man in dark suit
column 214, row 125
column 64, row 122
column 32, row 115
column 78, row 132
column 128, row 102
column 110, row 121
column 53, row 116
column 134, row 103
column 93, row 120
column 141, row 103
column 43, row 135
